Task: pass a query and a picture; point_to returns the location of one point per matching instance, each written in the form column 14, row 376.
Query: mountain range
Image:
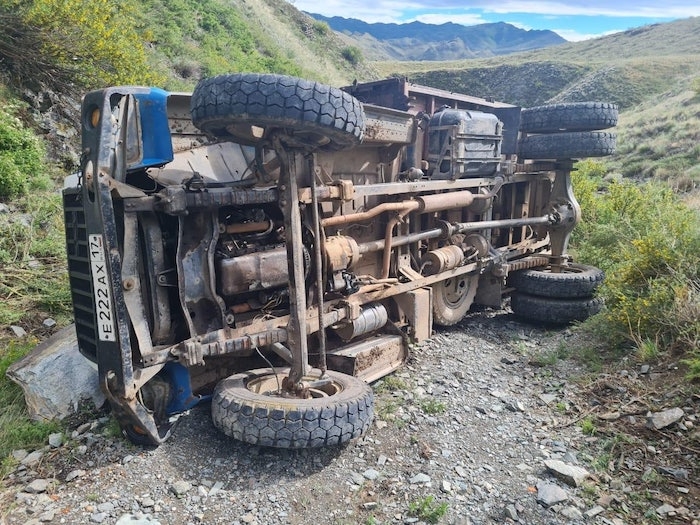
column 449, row 41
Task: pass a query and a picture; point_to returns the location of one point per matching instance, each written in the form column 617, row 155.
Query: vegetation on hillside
column 648, row 243
column 82, row 43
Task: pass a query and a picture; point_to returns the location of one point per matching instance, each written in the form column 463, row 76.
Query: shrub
column 99, row 40
column 21, row 158
column 321, row 28
column 648, row 243
column 352, row 54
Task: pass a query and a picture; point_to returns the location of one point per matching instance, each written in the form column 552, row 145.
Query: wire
column 279, row 385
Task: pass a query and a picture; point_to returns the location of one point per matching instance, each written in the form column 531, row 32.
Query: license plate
column 102, row 289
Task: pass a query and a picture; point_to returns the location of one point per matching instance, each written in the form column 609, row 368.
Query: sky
column 574, row 21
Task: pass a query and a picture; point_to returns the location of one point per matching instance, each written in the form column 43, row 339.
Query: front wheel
column 249, row 107
column 250, row 407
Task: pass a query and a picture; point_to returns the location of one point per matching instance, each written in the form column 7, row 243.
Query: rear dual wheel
column 559, row 297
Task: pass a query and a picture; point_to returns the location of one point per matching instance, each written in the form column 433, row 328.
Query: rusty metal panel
column 417, row 307
column 370, row 359
column 388, row 125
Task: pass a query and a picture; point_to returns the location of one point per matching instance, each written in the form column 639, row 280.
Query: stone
column 665, row 509
column 32, row 458
column 19, row 455
column 216, row 488
column 419, row 479
column 547, row 399
column 594, row 511
column 37, row 486
column 18, row 331
column 49, row 322
column 180, row 488
column 55, row 440
column 666, row 418
column 512, row 513
column 55, row 377
column 74, row 474
column 370, row 474
column 131, row 519
column 570, row 474
column 549, row 494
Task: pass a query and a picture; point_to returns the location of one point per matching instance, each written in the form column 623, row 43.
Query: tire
column 231, row 107
column 574, row 282
column 570, row 145
column 273, row 421
column 548, row 310
column 452, row 299
column 578, row 116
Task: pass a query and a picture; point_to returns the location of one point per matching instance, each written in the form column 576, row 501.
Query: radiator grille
column 79, row 274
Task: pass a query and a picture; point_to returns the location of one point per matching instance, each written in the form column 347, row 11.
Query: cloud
column 394, row 11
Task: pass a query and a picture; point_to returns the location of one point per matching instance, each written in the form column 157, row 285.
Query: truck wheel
column 570, row 145
column 549, row 310
column 245, row 407
column 574, row 281
column 248, row 107
column 577, row 116
column 452, row 299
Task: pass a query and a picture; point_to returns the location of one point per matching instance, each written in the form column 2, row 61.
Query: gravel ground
column 473, row 430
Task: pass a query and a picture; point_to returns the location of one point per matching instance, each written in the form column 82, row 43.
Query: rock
column 370, row 474
column 55, row 377
column 659, row 420
column 37, row 486
column 512, row 513
column 18, row 331
column 216, row 488
column 32, row 458
column 593, row 512
column 49, row 323
column 547, row 399
column 570, row 474
column 549, row 494
column 572, row 513
column 74, row 474
column 678, row 473
column 419, row 479
column 19, row 455
column 55, row 440
column 130, row 519
column 179, row 488
column 665, row 509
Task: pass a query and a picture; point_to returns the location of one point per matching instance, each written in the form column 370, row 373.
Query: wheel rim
column 270, row 385
column 455, row 290
column 257, row 132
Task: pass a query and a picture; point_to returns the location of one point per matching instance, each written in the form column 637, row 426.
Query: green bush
column 648, row 243
column 321, row 28
column 22, row 165
column 352, row 54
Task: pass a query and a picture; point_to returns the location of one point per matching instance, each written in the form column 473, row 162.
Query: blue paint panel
column 155, row 132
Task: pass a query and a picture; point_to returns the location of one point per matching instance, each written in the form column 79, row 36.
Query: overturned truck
column 272, row 244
